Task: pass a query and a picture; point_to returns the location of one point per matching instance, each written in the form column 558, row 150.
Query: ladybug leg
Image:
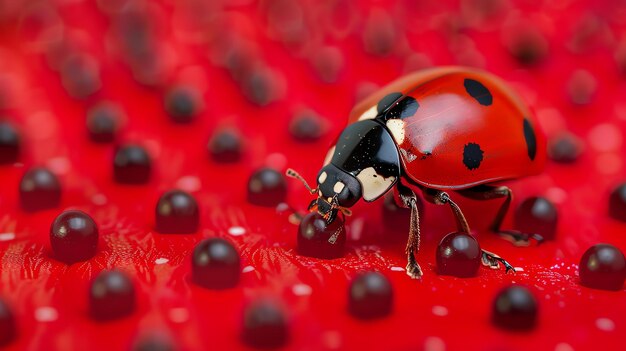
column 487, row 192
column 493, row 261
column 409, row 200
column 442, row 198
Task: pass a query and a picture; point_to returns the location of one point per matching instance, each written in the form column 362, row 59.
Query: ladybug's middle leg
column 488, row 192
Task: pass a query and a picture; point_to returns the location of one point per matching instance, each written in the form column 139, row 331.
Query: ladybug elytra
column 437, row 130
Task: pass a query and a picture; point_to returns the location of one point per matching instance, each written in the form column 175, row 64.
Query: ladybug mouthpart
column 327, row 208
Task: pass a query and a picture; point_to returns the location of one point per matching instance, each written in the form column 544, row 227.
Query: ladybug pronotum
column 435, row 131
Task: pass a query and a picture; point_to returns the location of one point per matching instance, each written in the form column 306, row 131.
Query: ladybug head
column 336, row 191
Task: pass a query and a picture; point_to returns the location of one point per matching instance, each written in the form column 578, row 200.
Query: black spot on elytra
column 403, row 109
column 387, row 101
column 478, row 92
column 472, row 156
column 531, row 139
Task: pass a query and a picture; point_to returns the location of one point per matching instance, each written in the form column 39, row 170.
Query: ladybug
column 436, row 131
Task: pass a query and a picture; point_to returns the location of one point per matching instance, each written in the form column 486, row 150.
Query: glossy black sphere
column 215, row 264
column 154, row 342
column 265, row 325
column 39, row 190
column 9, row 143
column 225, row 146
column 458, row 254
column 564, row 148
column 7, row 324
column 603, row 266
column 177, row 212
column 313, row 235
column 306, row 127
column 111, row 296
column 537, row 215
column 80, row 75
column 182, row 104
column 132, row 165
column 370, row 296
column 73, row 236
column 267, row 187
column 617, row 203
column 514, row 308
column 102, row 123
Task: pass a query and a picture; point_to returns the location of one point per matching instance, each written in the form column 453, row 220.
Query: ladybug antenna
column 293, row 174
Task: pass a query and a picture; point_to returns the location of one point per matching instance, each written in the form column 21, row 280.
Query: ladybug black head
column 336, row 189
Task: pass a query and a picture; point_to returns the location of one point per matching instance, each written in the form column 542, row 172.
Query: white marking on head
column 322, row 178
column 396, row 127
column 329, row 155
column 338, row 187
column 374, row 185
column 371, row 113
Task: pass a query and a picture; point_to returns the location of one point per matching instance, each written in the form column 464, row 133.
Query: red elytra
column 49, row 299
column 447, row 118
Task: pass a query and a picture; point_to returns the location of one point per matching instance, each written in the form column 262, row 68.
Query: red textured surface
column 585, row 49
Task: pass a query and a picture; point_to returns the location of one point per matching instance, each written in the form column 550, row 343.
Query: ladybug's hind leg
column 488, row 192
column 409, row 200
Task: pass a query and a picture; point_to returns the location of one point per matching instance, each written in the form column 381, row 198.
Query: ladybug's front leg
column 409, row 200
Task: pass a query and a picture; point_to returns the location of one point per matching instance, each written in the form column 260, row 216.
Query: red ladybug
column 438, row 130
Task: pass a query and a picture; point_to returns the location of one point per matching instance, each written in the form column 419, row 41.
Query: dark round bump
column 9, row 143
column 267, row 187
column 458, row 254
column 182, row 104
column 396, row 219
column 111, row 296
column 404, row 108
column 617, row 203
column 370, row 296
column 264, row 325
column 603, row 266
column 226, row 146
column 328, row 63
column 39, row 190
column 582, row 87
column 154, row 343
column 472, row 156
column 514, row 308
column 387, row 101
column 564, row 148
column 306, row 127
column 478, row 91
column 537, row 215
column 7, row 324
column 102, row 122
column 73, row 237
column 259, row 87
column 215, row 264
column 177, row 212
column 314, row 234
column 528, row 47
column 132, row 165
column 380, row 34
column 80, row 76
